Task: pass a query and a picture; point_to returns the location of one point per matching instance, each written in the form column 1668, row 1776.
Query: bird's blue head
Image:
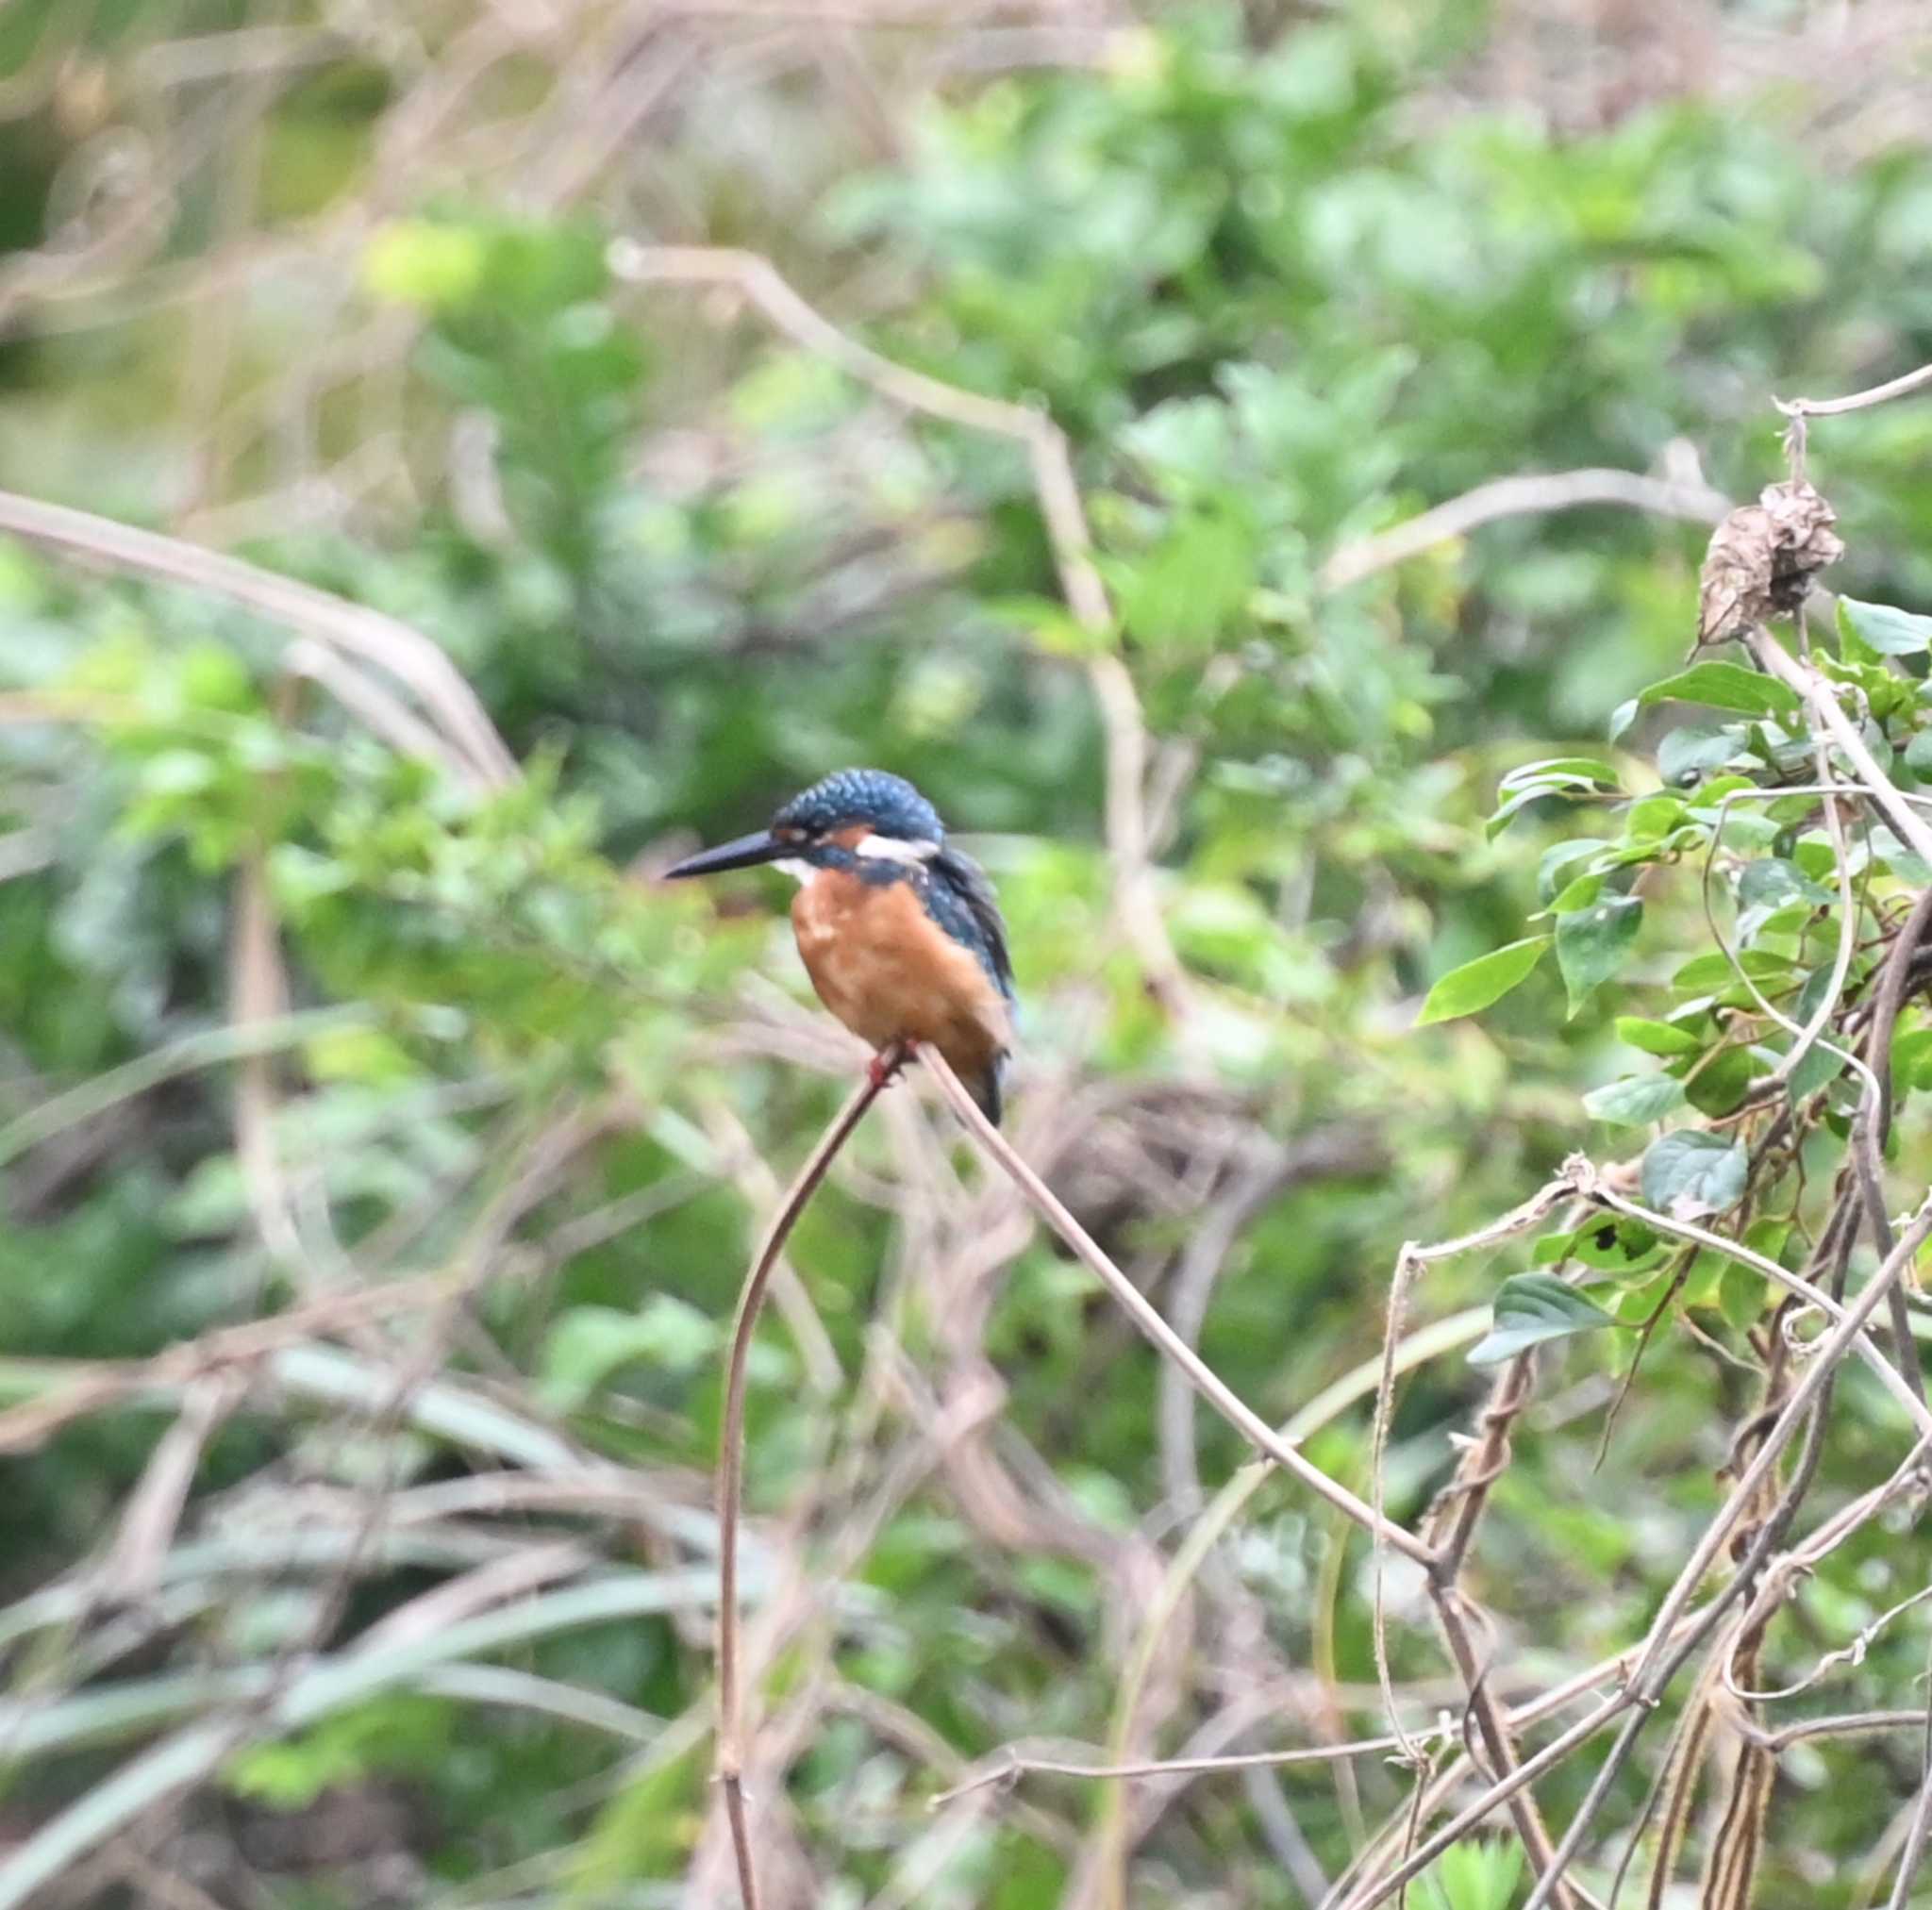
column 853, row 814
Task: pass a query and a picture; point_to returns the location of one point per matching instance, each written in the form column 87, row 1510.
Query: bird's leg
column 884, row 1065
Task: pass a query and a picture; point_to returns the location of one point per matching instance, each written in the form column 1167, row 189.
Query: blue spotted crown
column 889, row 803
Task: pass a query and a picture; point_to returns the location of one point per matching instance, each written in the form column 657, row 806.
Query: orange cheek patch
column 851, row 835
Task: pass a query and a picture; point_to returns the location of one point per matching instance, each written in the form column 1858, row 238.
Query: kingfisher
column 901, row 936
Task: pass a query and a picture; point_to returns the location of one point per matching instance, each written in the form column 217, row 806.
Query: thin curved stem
column 1166, row 1341
column 730, row 1762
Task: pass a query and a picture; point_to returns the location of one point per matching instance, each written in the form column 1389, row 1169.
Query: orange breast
column 889, row 972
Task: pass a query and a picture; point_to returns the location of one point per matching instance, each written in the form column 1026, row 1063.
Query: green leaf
column 1472, row 1876
column 1718, row 1088
column 1686, row 752
column 1911, row 1059
column 1653, row 818
column 1558, row 769
column 1691, row 1173
column 1532, row 1308
column 1906, row 864
column 1617, row 1244
column 1888, row 631
column 1636, row 1101
column 589, row 1344
column 1487, row 979
column 1704, row 973
column 1554, row 863
column 1740, row 1295
column 1772, row 882
column 1593, row 944
column 1579, row 894
column 1817, row 1066
column 1727, row 686
column 1656, row 1038
column 1181, row 593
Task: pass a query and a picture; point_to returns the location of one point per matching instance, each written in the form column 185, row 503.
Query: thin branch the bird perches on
column 1166, row 1342
column 730, row 1757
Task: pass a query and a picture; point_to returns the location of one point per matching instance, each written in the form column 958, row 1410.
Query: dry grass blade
column 470, row 747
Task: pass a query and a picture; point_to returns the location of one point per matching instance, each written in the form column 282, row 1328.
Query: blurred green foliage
column 1279, row 297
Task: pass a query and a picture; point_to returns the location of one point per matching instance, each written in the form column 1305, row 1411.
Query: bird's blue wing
column 960, row 897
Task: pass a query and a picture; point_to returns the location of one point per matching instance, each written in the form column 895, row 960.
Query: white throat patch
column 800, row 871
column 895, row 849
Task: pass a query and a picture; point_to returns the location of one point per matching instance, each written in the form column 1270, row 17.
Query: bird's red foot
column 883, row 1066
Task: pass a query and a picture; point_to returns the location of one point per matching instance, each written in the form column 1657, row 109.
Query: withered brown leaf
column 1762, row 557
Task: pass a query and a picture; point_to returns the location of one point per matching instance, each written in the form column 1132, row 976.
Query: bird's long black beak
column 761, row 846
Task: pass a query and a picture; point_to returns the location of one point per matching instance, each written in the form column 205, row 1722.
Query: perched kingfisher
column 901, row 936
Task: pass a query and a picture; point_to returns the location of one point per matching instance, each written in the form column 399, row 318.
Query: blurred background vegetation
column 317, row 1011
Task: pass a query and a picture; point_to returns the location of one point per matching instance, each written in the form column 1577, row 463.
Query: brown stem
column 731, row 1737
column 1166, row 1341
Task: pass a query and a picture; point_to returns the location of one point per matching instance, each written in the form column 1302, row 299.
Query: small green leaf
column 1772, row 882
column 1718, row 1088
column 1727, row 686
column 1532, row 1308
column 1487, row 979
column 1691, row 1173
column 1574, row 776
column 1616, row 1244
column 1686, row 752
column 1636, row 1101
column 1911, row 1059
column 1888, row 631
column 1906, row 864
column 1593, row 944
column 1817, row 1066
column 1704, row 973
column 1656, row 1038
column 1579, row 894
column 589, row 1344
column 1653, row 818
column 1740, row 1295
column 1552, row 866
column 1557, row 770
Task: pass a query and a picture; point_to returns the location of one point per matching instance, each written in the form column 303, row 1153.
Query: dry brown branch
column 1528, row 495
column 1243, row 1418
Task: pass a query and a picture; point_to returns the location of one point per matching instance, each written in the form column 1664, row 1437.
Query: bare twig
column 1017, row 1763
column 1902, row 386
column 1243, row 1418
column 1519, row 497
